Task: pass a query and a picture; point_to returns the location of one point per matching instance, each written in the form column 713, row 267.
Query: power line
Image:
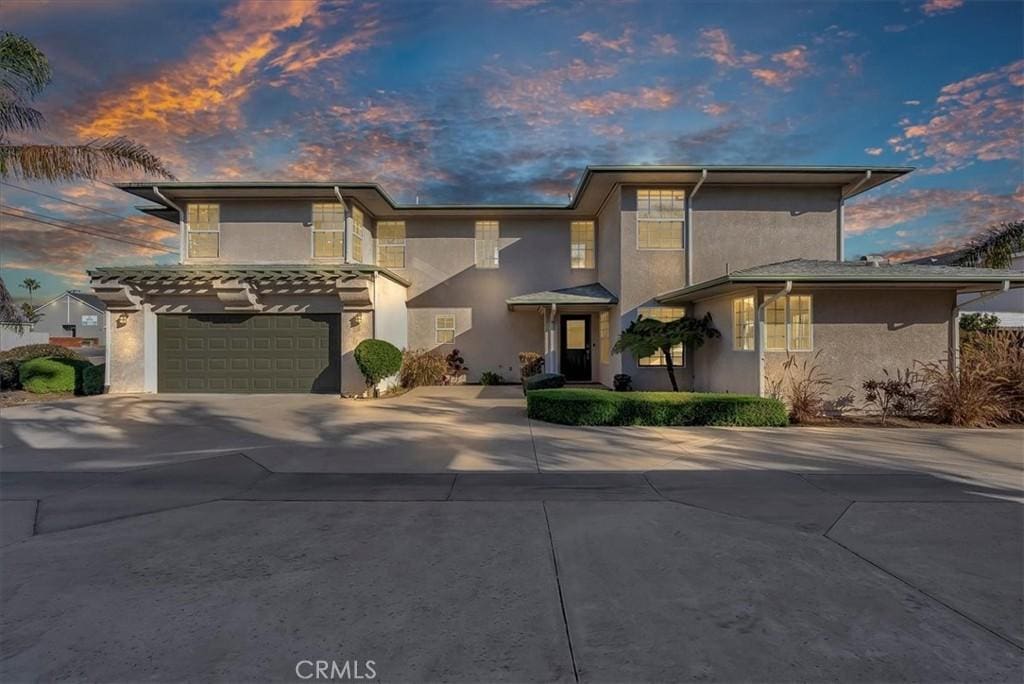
column 84, row 229
column 90, row 208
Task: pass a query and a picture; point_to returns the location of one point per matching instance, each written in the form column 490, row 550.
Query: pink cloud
column 614, row 101
column 794, row 63
column 664, row 44
column 623, row 43
column 931, row 7
column 975, row 119
column 972, row 210
column 874, row 151
column 715, row 44
column 715, row 108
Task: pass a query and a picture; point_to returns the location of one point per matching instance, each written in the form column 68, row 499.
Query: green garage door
column 244, row 353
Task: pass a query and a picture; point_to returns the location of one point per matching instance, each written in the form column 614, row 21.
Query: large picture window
column 660, row 213
column 203, row 228
column 328, row 230
column 391, row 244
column 664, row 314
column 581, row 244
column 486, row 243
column 788, row 324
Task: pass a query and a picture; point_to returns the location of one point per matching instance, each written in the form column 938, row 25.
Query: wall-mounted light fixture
column 122, row 319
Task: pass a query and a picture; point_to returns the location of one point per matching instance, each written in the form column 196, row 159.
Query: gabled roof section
column 590, row 294
column 89, row 300
column 594, row 185
column 846, row 272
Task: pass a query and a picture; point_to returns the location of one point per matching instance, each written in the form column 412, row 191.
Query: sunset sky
column 510, row 99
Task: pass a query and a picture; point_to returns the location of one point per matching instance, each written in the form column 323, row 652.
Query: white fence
column 19, row 335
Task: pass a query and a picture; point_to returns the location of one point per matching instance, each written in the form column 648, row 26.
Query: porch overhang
column 853, row 275
column 592, row 297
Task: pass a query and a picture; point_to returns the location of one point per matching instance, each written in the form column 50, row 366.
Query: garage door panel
column 248, row 353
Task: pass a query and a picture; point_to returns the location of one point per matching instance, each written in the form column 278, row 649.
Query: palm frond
column 24, row 69
column 17, row 116
column 71, row 162
column 995, row 248
column 9, row 311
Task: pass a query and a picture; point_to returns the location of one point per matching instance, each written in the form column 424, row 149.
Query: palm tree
column 30, row 284
column 24, row 72
column 995, row 247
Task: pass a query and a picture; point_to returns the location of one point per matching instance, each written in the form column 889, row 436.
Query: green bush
column 544, row 381
column 92, row 378
column 602, row 407
column 530, row 364
column 38, row 351
column 46, row 375
column 377, row 360
column 491, row 378
column 9, row 375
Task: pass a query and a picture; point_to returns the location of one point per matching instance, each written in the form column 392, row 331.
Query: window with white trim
column 743, row 323
column 788, row 324
column 203, row 231
column 328, row 230
column 486, row 244
column 391, row 244
column 444, row 328
column 358, row 226
column 664, row 314
column 604, row 336
column 660, row 213
column 581, row 244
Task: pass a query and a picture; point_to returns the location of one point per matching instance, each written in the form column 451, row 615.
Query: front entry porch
column 571, row 327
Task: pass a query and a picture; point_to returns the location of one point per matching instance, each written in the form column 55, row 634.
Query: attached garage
column 249, row 353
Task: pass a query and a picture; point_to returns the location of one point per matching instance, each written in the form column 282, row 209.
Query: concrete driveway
column 222, row 539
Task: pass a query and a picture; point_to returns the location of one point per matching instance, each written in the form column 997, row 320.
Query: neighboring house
column 73, row 314
column 278, row 282
column 1007, row 306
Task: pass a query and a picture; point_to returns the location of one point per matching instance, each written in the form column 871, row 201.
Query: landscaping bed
column 585, row 406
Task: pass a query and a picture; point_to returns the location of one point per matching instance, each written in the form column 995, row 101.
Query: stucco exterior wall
column 355, row 327
column 609, row 244
column 264, row 232
column 717, row 367
column 68, row 310
column 440, row 262
column 739, row 227
column 860, row 332
column 127, row 353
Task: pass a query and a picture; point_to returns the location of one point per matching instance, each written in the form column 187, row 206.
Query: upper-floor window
column 664, row 314
column 444, row 328
column 660, row 213
column 358, row 226
column 328, row 230
column 743, row 324
column 486, row 244
column 203, row 229
column 788, row 324
column 581, row 244
column 391, row 244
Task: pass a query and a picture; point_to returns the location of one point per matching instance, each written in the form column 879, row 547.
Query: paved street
column 856, row 565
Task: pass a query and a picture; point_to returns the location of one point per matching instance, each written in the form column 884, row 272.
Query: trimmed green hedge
column 46, row 375
column 377, row 359
column 38, row 351
column 602, row 407
column 543, row 381
column 92, row 380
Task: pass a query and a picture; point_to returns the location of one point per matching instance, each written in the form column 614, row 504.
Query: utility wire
column 90, row 208
column 83, row 228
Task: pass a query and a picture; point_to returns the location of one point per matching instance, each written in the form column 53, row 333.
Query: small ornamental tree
column 377, row 360
column 648, row 336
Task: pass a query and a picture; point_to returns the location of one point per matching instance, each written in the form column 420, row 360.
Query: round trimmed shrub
column 47, row 375
column 377, row 360
column 92, row 378
column 9, row 375
column 38, row 351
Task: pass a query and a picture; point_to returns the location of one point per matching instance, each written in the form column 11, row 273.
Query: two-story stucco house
column 278, row 282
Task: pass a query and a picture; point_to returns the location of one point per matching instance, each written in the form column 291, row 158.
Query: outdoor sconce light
column 122, row 320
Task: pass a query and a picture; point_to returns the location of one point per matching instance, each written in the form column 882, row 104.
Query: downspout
column 348, row 226
column 688, row 242
column 554, row 341
column 843, row 194
column 341, row 317
column 759, row 337
column 181, row 223
column 954, row 323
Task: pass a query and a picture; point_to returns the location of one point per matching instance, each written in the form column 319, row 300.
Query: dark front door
column 247, row 353
column 576, row 348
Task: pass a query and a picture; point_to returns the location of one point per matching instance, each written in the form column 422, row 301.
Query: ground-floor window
column 444, row 328
column 603, row 328
column 663, row 313
column 788, row 324
column 743, row 323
